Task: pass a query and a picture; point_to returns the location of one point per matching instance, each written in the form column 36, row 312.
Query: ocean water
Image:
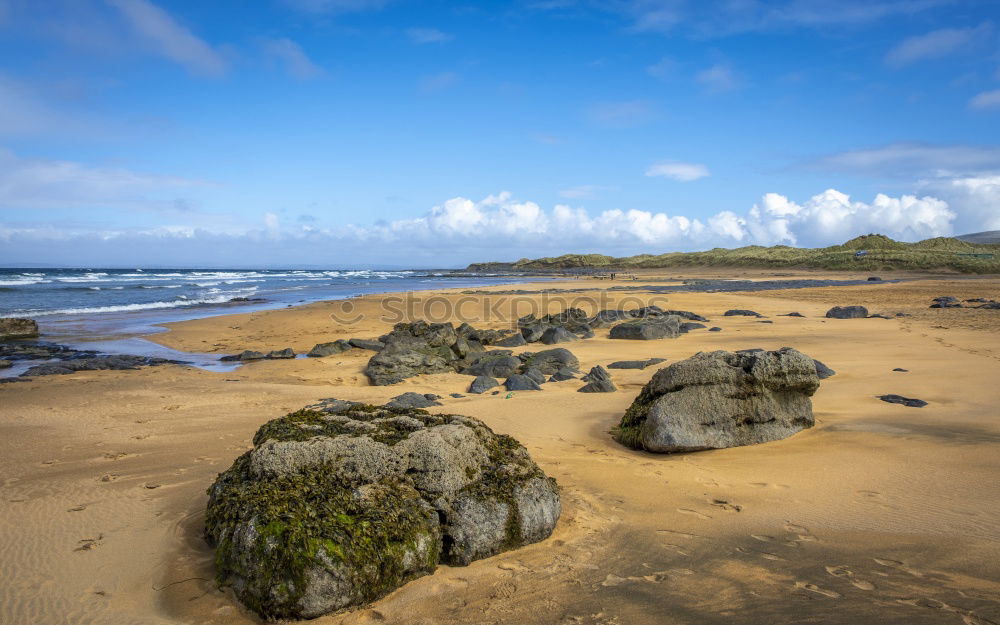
column 110, row 310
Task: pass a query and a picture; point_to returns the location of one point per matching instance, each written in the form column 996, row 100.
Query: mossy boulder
column 340, row 503
column 17, row 328
column 722, row 399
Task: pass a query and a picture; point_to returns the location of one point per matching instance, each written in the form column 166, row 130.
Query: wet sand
column 879, row 514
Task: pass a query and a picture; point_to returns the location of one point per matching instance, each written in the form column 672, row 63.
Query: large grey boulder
column 17, row 328
column 647, row 329
column 571, row 320
column 338, row 504
column 521, row 382
column 722, row 399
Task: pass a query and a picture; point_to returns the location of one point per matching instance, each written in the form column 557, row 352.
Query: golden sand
column 879, row 514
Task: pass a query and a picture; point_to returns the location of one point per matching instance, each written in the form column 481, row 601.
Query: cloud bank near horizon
column 498, row 227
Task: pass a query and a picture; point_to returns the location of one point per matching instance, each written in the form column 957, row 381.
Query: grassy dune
column 940, row 253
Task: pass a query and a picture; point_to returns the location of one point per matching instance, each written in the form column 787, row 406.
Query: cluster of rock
column 340, row 503
column 948, row 301
column 910, row 402
column 722, row 399
column 59, row 359
column 847, row 312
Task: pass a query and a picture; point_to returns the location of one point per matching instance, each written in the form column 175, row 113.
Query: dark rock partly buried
column 847, row 312
column 370, row 344
column 901, row 370
column 329, row 349
column 598, row 381
column 96, row 363
column 338, row 505
column 245, row 356
column 498, row 363
column 687, row 326
column 482, row 383
column 563, row 374
column 414, row 400
column 17, row 328
column 635, row 364
column 557, row 334
column 715, row 329
column 281, row 354
column 514, row 340
column 792, row 314
column 722, row 399
column 647, row 329
column 739, row 312
column 535, row 374
column 520, row 382
column 550, row 361
column 905, row 401
column 823, row 371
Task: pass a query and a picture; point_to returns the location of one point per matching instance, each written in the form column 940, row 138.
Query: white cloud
column 976, row 199
column 29, row 184
column 291, row 55
column 427, row 35
column 684, row 172
column 936, row 44
column 718, row 78
column 169, row 39
column 622, row 114
column 986, row 100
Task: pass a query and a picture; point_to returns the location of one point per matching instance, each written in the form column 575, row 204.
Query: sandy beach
column 879, row 514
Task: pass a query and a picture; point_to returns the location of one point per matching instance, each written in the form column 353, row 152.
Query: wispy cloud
column 716, row 18
column 718, row 78
column 52, row 184
column 986, row 100
column 937, row 44
column 675, row 170
column 913, row 160
column 169, row 39
column 336, row 6
column 663, row 69
column 623, row 114
column 438, row 82
column 427, row 35
column 292, row 57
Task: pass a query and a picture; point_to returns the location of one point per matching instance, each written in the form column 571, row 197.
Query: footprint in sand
column 844, row 572
column 762, row 538
column 802, row 533
column 899, row 566
column 816, row 589
column 89, row 543
column 693, row 513
column 725, row 505
column 764, row 554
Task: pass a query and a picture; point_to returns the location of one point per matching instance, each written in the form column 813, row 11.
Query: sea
column 111, row 310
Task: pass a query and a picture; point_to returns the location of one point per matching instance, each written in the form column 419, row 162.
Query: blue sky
column 397, row 132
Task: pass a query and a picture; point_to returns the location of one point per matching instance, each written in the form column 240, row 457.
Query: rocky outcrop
column 847, row 312
column 369, row 344
column 521, row 382
column 648, row 329
column 251, row 355
column 557, row 334
column 414, row 400
column 17, row 328
column 338, row 504
column 550, row 361
column 497, row 363
column 722, row 399
column 96, row 363
column 598, row 381
column 555, row 327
